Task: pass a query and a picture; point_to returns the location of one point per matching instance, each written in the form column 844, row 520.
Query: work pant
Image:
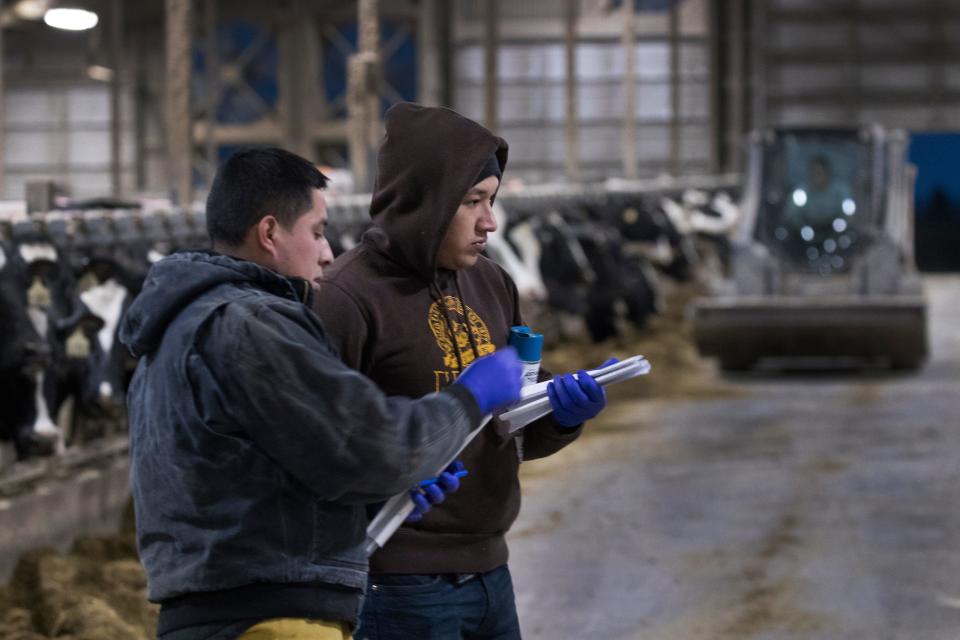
column 475, row 606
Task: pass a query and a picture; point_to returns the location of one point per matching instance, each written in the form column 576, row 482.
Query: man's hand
column 576, row 400
column 494, row 380
column 434, row 490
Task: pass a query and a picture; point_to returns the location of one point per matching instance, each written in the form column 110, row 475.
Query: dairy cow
column 34, row 298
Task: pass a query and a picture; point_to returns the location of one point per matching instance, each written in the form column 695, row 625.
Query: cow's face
column 466, row 236
column 96, row 358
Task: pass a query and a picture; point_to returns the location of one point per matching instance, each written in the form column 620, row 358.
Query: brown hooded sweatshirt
column 412, row 327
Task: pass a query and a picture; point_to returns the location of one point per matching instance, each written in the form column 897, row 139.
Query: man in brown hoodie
column 410, row 307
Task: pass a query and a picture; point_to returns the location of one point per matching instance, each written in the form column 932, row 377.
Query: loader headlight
column 839, row 225
column 799, row 197
column 849, row 206
column 807, row 233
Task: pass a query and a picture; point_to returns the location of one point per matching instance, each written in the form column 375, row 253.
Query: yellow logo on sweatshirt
column 453, row 327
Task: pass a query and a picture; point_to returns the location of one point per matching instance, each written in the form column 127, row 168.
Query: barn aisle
column 814, row 506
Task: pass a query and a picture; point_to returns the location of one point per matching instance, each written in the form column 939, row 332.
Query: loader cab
column 820, row 204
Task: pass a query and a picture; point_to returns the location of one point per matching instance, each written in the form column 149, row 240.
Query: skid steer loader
column 822, row 268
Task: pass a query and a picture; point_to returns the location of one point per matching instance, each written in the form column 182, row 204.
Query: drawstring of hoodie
column 437, row 295
column 466, row 318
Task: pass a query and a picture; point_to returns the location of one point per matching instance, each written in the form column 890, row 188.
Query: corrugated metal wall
column 63, row 133
column 859, row 61
column 531, row 74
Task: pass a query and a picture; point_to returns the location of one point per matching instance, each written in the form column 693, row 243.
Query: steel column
column 178, row 61
column 491, row 45
column 297, row 78
column 736, row 87
column 116, row 116
column 758, row 88
column 572, row 130
column 212, row 51
column 674, row 38
column 363, row 96
column 428, row 54
column 629, row 94
column 3, row 119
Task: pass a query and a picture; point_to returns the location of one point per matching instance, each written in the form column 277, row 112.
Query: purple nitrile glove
column 576, row 400
column 434, row 490
column 494, row 380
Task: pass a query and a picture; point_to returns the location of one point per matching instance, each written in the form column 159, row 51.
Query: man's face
column 303, row 250
column 819, row 175
column 467, row 234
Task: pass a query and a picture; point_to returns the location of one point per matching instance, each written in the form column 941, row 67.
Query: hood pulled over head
column 429, row 159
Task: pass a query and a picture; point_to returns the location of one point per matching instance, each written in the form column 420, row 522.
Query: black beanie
column 491, row 168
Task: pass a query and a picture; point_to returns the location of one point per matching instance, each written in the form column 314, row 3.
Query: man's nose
column 326, row 254
column 488, row 221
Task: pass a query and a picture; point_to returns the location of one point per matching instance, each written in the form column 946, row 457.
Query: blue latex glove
column 576, row 400
column 494, row 380
column 434, row 490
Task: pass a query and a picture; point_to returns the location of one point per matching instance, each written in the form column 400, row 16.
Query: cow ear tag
column 78, row 344
column 38, row 295
column 630, row 215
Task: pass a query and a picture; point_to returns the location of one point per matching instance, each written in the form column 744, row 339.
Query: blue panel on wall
column 646, row 5
column 937, row 156
column 400, row 69
column 237, row 104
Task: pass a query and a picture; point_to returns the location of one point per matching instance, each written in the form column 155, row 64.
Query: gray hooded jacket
column 253, row 447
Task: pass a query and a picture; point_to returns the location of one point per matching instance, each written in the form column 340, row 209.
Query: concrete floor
column 815, row 506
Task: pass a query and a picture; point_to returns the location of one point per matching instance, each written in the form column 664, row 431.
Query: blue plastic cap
column 529, row 345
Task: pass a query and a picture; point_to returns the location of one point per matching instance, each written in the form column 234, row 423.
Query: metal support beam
column 428, row 54
column 629, row 95
column 363, row 96
column 178, row 121
column 853, row 63
column 715, row 55
column 572, row 129
column 446, row 20
column 298, row 74
column 3, row 119
column 736, row 87
column 212, row 54
column 140, row 106
column 116, row 84
column 491, row 45
column 673, row 34
column 758, row 42
column 939, row 40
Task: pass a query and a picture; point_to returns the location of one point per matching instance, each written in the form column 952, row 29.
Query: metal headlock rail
column 108, row 229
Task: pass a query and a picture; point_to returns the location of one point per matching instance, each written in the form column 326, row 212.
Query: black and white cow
column 97, row 368
column 581, row 263
column 34, row 298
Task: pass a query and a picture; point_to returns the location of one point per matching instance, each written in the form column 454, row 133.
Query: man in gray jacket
column 254, row 450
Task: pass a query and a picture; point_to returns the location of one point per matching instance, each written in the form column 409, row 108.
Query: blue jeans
column 476, row 606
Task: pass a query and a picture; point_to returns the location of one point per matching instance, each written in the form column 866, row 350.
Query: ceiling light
column 100, row 73
column 71, row 19
column 31, row 9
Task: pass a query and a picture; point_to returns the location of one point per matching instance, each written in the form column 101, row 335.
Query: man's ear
column 265, row 231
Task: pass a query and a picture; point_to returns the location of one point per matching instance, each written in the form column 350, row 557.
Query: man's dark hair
column 257, row 182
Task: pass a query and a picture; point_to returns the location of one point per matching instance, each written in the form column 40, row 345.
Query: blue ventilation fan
column 248, row 73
